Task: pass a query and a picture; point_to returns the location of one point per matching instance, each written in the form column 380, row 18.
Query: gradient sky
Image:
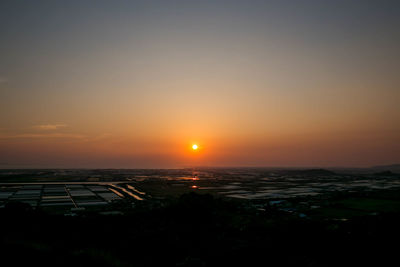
column 133, row 84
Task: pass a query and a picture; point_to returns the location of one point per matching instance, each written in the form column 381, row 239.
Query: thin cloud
column 47, row 127
column 50, row 135
column 101, row 137
column 3, row 79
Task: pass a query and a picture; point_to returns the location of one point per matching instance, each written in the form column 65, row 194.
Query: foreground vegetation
column 196, row 230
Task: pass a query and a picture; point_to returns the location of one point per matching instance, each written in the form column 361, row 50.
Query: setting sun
column 195, row 147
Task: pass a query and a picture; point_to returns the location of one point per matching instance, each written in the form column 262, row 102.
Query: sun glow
column 195, row 147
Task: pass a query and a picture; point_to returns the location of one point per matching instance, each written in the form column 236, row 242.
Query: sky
column 133, row 84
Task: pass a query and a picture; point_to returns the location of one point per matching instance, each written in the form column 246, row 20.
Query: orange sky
column 134, row 85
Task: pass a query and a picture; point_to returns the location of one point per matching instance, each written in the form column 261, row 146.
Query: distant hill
column 392, row 168
column 385, row 173
column 312, row 172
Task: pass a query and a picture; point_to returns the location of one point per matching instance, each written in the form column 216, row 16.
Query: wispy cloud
column 47, row 135
column 47, row 127
column 101, row 137
column 3, row 79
